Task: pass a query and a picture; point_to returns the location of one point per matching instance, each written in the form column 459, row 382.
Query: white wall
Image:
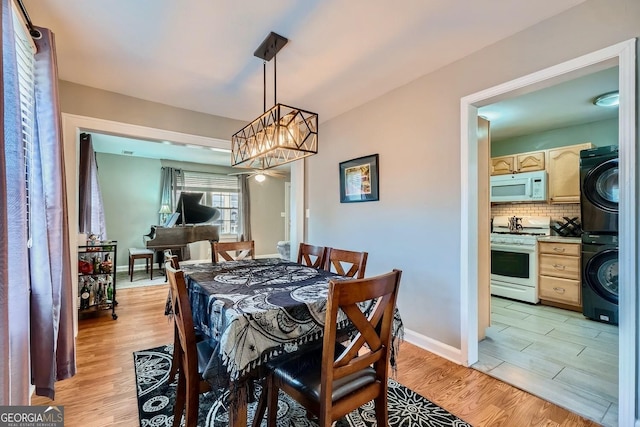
column 416, row 131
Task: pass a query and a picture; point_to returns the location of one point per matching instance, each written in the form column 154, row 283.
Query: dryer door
column 602, row 274
column 600, row 186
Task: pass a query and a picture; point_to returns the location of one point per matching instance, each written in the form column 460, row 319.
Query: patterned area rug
column 156, row 396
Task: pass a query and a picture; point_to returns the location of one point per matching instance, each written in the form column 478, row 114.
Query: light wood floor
column 103, row 391
column 556, row 354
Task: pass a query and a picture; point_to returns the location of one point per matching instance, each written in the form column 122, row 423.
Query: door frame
column 471, row 204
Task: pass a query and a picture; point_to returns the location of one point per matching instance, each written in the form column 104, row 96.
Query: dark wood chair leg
column 180, row 400
column 272, row 402
column 191, row 409
column 174, row 356
column 262, row 405
column 382, row 416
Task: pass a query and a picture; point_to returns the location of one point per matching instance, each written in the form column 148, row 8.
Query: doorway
column 622, row 54
column 73, row 125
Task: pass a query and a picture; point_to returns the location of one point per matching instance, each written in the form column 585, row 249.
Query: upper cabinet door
column 529, row 162
column 518, row 163
column 502, row 165
column 564, row 173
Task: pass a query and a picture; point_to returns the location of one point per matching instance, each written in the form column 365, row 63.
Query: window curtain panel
column 167, row 187
column 14, row 262
column 91, row 209
column 245, row 208
column 168, row 180
column 52, row 311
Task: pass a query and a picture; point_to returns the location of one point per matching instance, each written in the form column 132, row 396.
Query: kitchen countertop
column 559, row 239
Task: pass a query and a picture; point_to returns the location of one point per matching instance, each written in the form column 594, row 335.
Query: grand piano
column 189, row 216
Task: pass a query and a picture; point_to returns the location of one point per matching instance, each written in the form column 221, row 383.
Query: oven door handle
column 513, row 248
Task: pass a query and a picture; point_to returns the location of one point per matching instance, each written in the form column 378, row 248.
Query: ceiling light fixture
column 610, row 99
column 281, row 134
column 260, row 177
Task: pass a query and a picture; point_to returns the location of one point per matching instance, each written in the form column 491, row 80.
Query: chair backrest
column 169, row 256
column 312, row 256
column 188, row 359
column 221, row 250
column 370, row 342
column 346, row 263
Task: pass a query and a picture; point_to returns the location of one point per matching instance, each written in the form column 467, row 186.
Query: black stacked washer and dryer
column 599, row 215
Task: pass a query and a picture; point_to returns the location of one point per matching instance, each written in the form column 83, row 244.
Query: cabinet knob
column 558, row 249
column 559, row 290
column 558, row 266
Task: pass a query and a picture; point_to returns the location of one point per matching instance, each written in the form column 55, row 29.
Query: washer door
column 601, row 274
column 600, row 186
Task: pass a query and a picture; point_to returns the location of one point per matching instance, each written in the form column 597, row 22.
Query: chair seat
column 205, row 350
column 140, row 251
column 303, row 374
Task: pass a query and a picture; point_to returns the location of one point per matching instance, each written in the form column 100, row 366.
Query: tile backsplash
column 555, row 211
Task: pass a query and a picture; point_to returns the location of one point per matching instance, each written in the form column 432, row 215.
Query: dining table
column 255, row 311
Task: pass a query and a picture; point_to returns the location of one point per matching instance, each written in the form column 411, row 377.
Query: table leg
column 238, row 404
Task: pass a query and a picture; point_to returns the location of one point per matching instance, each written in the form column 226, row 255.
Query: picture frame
column 359, row 180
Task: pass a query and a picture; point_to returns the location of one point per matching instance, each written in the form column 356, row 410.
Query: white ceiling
column 198, row 54
column 339, row 56
column 123, row 146
column 564, row 104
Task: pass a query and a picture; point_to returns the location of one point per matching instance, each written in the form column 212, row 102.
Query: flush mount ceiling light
column 281, row 134
column 611, row 99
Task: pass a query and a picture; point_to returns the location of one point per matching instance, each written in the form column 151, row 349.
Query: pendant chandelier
column 281, row 134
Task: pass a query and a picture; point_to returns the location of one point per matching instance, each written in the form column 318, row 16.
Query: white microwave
column 519, row 187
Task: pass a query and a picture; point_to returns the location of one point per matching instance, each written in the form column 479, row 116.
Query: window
column 220, row 191
column 25, row 51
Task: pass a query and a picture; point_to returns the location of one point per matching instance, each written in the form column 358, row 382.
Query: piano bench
column 137, row 253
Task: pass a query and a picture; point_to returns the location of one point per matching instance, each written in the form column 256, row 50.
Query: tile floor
column 556, row 354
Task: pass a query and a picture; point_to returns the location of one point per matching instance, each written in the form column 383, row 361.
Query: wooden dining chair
column 190, row 357
column 245, row 249
column 336, row 378
column 346, row 263
column 173, row 260
column 312, row 256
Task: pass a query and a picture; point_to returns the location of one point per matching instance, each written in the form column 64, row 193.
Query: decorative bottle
column 92, row 293
column 109, row 290
column 84, row 296
column 99, row 292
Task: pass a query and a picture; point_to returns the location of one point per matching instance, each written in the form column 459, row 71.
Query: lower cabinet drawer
column 567, row 267
column 559, row 290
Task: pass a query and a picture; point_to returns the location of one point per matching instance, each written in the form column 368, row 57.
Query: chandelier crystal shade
column 282, row 134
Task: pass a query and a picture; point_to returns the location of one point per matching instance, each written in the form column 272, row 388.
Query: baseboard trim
column 441, row 349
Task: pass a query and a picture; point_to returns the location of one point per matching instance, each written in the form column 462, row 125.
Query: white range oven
column 514, row 256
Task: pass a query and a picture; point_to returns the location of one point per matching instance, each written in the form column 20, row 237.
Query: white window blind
column 203, row 181
column 25, row 51
column 219, row 191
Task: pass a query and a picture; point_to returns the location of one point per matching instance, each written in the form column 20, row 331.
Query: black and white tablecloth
column 259, row 309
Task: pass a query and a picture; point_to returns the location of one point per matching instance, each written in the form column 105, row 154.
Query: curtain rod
column 32, row 30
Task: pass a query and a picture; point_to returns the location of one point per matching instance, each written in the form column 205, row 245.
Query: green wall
column 600, row 133
column 130, row 188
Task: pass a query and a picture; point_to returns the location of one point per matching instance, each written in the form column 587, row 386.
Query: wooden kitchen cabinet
column 564, row 173
column 559, row 274
column 518, row 163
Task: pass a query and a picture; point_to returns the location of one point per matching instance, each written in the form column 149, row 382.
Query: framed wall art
column 359, row 179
